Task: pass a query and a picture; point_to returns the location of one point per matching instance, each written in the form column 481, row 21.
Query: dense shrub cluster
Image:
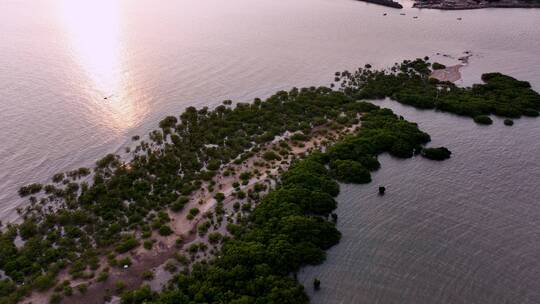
column 287, row 230
column 409, row 83
column 71, row 221
column 289, row 227
column 483, row 120
column 350, row 171
column 438, row 66
column 440, row 153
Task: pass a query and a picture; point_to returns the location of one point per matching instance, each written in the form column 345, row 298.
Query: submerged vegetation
column 87, row 218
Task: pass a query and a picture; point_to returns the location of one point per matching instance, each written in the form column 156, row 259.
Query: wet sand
column 450, row 73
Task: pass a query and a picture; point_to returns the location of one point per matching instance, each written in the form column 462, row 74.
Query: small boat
column 384, row 14
column 415, row 17
column 402, row 14
column 459, row 18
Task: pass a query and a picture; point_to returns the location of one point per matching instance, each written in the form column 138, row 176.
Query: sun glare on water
column 94, row 37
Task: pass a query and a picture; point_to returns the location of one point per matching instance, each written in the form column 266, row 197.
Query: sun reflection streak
column 94, row 31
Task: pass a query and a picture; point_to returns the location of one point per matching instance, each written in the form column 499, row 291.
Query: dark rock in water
column 382, row 189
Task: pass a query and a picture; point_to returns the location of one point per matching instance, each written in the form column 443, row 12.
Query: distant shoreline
column 467, row 5
column 388, row 3
column 458, row 5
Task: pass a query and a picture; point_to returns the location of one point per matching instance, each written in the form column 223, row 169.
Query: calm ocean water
column 466, row 230
column 79, row 78
column 59, row 59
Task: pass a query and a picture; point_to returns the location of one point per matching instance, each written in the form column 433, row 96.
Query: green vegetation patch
column 440, row 153
column 409, row 83
column 70, row 223
column 483, row 120
column 350, row 171
column 438, row 66
column 289, row 228
column 271, row 155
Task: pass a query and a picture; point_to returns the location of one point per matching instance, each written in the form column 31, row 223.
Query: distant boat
column 402, row 14
column 459, row 18
column 415, row 17
column 384, row 14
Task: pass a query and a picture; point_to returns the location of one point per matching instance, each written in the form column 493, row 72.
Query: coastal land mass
column 388, row 3
column 471, row 4
column 232, row 202
column 461, row 4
